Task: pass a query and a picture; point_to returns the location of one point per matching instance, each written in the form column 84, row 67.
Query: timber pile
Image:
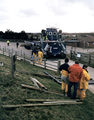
column 42, row 102
column 39, row 87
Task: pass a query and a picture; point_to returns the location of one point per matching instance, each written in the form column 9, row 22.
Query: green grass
column 11, row 92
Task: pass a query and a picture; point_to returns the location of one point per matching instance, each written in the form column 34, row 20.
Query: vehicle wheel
column 63, row 56
column 28, row 47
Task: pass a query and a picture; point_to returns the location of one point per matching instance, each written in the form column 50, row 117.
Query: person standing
column 64, row 76
column 8, row 42
column 83, row 84
column 40, row 56
column 75, row 74
column 34, row 55
column 17, row 44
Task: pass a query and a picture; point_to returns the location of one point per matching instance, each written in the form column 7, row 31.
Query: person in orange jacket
column 75, row 74
column 40, row 56
column 64, row 76
column 83, row 84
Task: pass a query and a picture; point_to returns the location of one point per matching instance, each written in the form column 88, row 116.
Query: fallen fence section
column 56, row 80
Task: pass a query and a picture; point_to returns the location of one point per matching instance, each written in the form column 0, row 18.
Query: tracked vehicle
column 52, row 43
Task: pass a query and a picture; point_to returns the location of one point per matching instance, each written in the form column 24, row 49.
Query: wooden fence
column 83, row 57
column 52, row 65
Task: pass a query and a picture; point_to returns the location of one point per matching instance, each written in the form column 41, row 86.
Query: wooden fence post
column 24, row 56
column 89, row 59
column 13, row 66
column 45, row 63
column 16, row 54
column 33, row 62
column 59, row 63
column 9, row 52
column 71, row 53
column 21, row 53
column 12, row 51
column 3, row 51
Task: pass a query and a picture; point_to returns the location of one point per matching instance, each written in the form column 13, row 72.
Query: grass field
column 11, row 92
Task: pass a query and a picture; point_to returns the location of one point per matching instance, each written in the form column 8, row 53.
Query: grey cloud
column 89, row 3
column 28, row 12
column 3, row 17
column 57, row 11
column 3, row 14
column 71, row 1
column 58, row 8
column 1, row 1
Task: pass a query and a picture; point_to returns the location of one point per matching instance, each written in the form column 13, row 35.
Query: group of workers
column 37, row 56
column 76, row 76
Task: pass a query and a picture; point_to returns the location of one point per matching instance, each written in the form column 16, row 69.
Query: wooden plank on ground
column 40, row 100
column 50, row 100
column 56, row 80
column 41, row 104
column 35, row 83
column 30, row 87
column 38, row 83
column 41, row 90
column 61, row 101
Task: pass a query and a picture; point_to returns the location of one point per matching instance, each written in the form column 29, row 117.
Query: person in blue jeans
column 75, row 74
column 75, row 84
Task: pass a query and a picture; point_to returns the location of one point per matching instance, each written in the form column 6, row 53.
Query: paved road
column 28, row 53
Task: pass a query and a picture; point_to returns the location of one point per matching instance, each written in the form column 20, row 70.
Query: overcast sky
column 35, row 15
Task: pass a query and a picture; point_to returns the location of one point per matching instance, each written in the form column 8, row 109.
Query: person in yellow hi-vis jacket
column 64, row 76
column 40, row 56
column 34, row 55
column 83, row 84
column 8, row 42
